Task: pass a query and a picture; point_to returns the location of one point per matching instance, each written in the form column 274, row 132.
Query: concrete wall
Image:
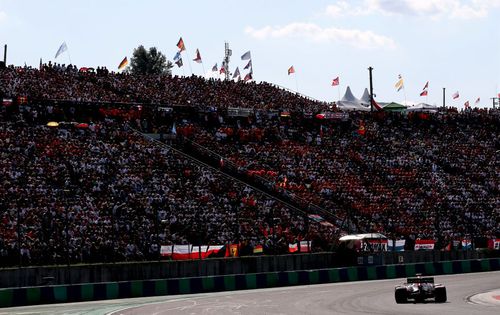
column 34, row 276
column 113, row 290
column 55, row 275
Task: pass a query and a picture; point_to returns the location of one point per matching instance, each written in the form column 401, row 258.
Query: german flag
column 123, row 64
column 180, row 44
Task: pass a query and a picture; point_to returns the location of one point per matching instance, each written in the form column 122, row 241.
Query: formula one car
column 420, row 289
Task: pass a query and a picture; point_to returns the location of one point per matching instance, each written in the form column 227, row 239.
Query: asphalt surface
column 475, row 293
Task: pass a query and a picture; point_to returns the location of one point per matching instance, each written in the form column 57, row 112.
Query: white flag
column 246, row 56
column 61, row 49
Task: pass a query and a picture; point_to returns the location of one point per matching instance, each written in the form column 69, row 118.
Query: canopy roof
column 422, row 107
column 395, row 107
column 365, row 99
column 350, row 102
column 354, row 237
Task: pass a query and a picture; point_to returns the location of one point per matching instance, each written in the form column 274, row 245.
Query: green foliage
column 150, row 61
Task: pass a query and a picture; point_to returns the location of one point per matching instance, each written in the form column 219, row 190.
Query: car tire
column 401, row 296
column 440, row 295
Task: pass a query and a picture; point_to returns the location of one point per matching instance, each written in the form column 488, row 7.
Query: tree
column 149, row 62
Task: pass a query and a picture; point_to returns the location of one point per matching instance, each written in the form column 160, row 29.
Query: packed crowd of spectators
column 61, row 82
column 101, row 192
column 429, row 176
column 94, row 189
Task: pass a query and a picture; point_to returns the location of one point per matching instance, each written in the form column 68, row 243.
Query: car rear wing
column 420, row 280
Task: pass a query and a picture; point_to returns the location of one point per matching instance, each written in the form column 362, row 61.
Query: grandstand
column 236, row 163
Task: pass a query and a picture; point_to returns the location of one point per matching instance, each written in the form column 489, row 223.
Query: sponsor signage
column 424, row 244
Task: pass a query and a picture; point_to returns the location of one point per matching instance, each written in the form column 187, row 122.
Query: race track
column 367, row 297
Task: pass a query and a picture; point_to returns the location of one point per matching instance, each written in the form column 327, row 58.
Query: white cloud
column 3, row 16
column 357, row 38
column 435, row 9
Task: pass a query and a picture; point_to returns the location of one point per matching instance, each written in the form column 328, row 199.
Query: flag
column 396, row 246
column 376, row 105
column 222, row 70
column 198, row 56
column 455, row 95
column 177, row 56
column 214, row 68
column 335, row 81
column 249, row 65
column 477, row 101
column 246, row 56
column 236, row 73
column 400, row 84
column 61, row 49
column 123, row 64
column 291, row 70
column 258, row 249
column 361, row 129
column 179, row 63
column 424, row 93
column 467, row 104
column 248, row 77
column 180, row 44
column 426, row 86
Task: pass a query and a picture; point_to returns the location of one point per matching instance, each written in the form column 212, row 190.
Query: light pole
column 370, row 69
column 444, row 98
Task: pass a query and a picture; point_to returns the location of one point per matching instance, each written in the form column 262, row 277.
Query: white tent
column 350, row 102
column 365, row 99
column 422, row 107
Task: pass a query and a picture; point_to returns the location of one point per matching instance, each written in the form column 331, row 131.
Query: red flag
column 180, row 44
column 376, row 105
column 466, row 104
column 424, row 93
column 248, row 77
column 198, row 56
column 291, row 70
column 222, row 70
column 335, row 81
column 455, row 95
column 426, row 86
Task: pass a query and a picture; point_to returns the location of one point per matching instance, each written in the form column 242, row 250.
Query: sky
column 452, row 44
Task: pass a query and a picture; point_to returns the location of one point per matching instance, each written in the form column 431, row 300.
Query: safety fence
column 117, row 290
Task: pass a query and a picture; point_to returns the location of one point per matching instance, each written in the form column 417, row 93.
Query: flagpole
column 296, row 83
column 189, row 61
column 338, row 91
column 69, row 56
column 404, row 90
column 203, row 66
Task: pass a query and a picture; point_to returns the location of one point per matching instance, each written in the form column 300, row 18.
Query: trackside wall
column 115, row 290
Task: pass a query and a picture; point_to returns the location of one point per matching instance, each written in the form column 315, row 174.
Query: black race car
column 420, row 289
